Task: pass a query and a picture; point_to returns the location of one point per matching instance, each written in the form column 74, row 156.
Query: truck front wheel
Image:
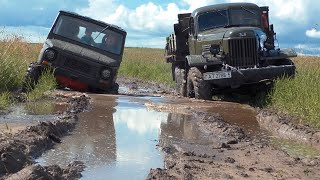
column 196, row 86
column 31, row 78
column 180, row 79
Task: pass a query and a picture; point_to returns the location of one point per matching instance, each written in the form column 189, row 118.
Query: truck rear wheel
column 180, row 79
column 196, row 86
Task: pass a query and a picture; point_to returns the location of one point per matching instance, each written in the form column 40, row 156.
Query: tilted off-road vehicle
column 223, row 47
column 84, row 53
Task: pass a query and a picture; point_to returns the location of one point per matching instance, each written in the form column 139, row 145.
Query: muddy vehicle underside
column 223, row 47
column 84, row 53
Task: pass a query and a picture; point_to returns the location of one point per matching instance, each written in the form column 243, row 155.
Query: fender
column 200, row 60
column 280, row 54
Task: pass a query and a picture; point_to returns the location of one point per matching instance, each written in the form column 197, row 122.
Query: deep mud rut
column 193, row 139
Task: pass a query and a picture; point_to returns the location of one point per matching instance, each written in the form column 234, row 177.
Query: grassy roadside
column 300, row 96
column 15, row 56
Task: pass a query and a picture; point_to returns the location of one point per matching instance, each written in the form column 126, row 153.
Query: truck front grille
column 243, row 52
column 77, row 65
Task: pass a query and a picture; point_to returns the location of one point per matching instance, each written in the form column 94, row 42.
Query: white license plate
column 216, row 75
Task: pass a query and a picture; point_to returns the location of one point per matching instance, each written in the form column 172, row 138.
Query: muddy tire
column 114, row 89
column 32, row 76
column 196, row 86
column 180, row 79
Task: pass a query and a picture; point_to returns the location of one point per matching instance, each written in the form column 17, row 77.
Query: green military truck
column 224, row 47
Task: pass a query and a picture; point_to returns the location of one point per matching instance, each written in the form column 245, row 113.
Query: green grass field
column 299, row 96
column 147, row 64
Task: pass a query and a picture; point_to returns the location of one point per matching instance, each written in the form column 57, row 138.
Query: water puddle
column 22, row 115
column 243, row 117
column 116, row 139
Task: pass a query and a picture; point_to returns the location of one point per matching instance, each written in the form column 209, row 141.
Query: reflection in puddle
column 30, row 113
column 180, row 128
column 296, row 149
column 27, row 114
column 44, row 107
column 243, row 117
column 116, row 139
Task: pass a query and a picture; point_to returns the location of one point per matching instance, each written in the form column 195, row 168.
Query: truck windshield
column 89, row 33
column 244, row 17
column 212, row 19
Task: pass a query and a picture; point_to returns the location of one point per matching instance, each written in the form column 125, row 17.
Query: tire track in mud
column 18, row 150
column 231, row 153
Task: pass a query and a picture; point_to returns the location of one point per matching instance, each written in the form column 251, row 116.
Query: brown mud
column 19, row 148
column 231, row 154
column 219, row 140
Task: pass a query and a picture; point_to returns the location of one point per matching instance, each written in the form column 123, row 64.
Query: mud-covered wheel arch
column 32, row 76
column 180, row 80
column 196, row 86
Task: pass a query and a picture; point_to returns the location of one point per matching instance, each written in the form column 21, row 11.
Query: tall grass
column 147, row 64
column 45, row 84
column 301, row 95
column 15, row 56
column 4, row 100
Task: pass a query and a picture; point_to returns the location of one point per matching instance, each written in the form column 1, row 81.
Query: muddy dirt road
column 147, row 132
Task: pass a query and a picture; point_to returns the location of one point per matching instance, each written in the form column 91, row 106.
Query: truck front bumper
column 241, row 77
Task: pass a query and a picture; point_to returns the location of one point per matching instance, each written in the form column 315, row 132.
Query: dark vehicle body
column 78, row 64
column 223, row 47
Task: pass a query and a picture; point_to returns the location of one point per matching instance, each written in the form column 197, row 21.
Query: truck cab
column 225, row 46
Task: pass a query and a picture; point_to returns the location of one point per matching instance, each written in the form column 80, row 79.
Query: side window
column 97, row 38
column 81, row 31
column 112, row 41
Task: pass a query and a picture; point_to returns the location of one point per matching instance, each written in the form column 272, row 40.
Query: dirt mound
column 72, row 171
column 287, row 127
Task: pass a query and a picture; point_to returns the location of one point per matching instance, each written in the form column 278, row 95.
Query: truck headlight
column 50, row 55
column 214, row 49
column 105, row 74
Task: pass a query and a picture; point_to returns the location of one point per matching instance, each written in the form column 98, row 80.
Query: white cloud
column 140, row 120
column 147, row 17
column 293, row 10
column 313, row 33
column 99, row 8
column 155, row 21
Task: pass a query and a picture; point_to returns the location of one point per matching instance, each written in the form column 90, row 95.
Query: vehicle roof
column 90, row 19
column 222, row 6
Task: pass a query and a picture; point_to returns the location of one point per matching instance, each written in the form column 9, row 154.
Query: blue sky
column 148, row 22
